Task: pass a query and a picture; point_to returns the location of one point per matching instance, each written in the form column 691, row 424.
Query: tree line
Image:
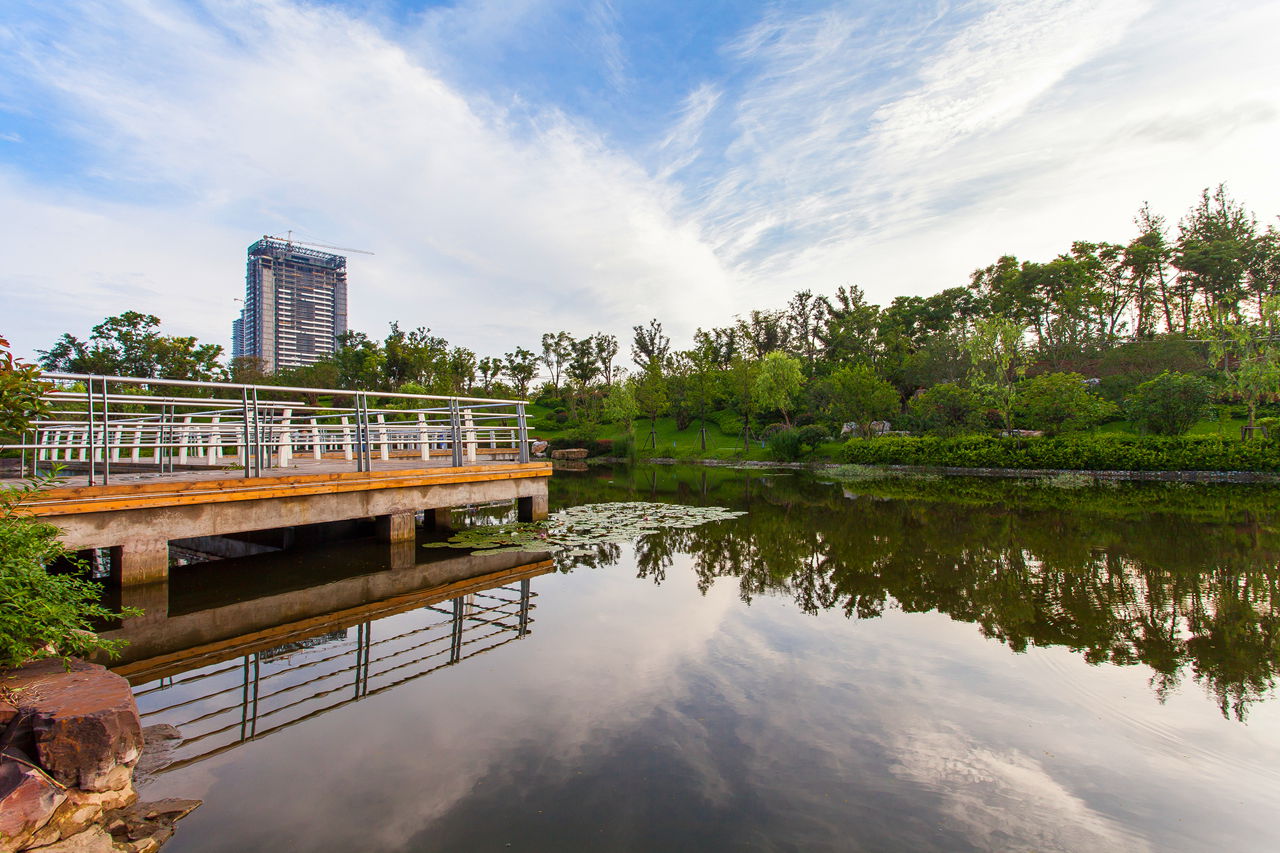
column 1050, row 345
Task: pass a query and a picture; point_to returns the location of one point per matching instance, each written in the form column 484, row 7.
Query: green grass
column 676, row 443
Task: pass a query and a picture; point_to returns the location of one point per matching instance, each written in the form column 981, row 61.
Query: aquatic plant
column 577, row 530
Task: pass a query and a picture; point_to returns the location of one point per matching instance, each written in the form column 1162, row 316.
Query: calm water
column 861, row 665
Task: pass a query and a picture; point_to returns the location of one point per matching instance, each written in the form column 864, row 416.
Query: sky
column 524, row 166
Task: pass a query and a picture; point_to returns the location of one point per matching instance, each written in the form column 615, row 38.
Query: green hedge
column 1076, row 453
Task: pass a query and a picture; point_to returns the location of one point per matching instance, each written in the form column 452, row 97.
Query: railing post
column 257, row 436
column 455, row 432
column 384, row 452
column 424, row 445
column 284, row 445
column 317, row 452
column 248, row 472
column 523, row 432
column 469, row 439
column 106, row 437
column 92, row 449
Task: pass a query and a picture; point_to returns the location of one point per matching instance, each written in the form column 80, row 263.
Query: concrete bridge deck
column 152, row 461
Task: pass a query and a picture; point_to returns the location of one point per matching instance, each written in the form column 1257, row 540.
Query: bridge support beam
column 397, row 527
column 140, row 561
column 532, row 508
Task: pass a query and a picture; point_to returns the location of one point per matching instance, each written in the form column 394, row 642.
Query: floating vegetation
column 576, row 531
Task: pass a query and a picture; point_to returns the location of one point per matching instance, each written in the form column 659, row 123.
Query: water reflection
column 1180, row 579
column 239, row 670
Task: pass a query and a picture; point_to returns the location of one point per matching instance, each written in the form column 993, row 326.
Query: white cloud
column 286, row 116
column 902, row 154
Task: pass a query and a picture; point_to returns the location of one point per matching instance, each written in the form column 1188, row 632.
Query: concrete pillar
column 532, row 508
column 440, row 518
column 151, row 598
column 397, row 527
column 403, row 554
column 140, row 561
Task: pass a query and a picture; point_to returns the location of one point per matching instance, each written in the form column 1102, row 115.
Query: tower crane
column 290, row 239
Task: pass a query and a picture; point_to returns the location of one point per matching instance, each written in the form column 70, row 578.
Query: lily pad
column 575, row 531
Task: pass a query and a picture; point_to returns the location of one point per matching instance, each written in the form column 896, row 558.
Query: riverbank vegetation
column 1161, row 347
column 42, row 614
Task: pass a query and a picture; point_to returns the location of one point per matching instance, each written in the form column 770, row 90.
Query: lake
column 857, row 663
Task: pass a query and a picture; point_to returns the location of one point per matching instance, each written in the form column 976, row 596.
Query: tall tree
column 778, row 383
column 804, row 320
column 520, row 367
column 996, row 357
column 849, row 326
column 557, row 347
column 649, row 347
column 763, row 332
column 1215, row 242
column 130, row 344
column 606, row 347
column 488, row 369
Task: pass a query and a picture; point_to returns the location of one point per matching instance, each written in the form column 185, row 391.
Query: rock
column 87, row 733
column 93, row 840
column 28, row 801
column 539, row 448
column 81, row 809
column 159, row 742
column 172, row 808
column 570, row 453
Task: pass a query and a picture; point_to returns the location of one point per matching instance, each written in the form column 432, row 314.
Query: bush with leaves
column 1058, row 403
column 1170, row 404
column 946, row 409
column 41, row 614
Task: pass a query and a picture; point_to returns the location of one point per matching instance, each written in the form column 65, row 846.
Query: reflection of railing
column 220, row 706
column 106, row 421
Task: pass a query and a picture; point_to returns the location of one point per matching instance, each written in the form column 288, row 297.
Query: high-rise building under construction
column 295, row 305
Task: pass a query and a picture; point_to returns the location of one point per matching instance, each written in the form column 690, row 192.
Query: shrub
column 1058, row 403
column 730, row 423
column 793, row 444
column 1078, row 453
column 42, row 615
column 582, row 439
column 1170, row 404
column 945, row 409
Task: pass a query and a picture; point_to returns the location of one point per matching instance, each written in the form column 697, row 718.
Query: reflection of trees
column 1188, row 584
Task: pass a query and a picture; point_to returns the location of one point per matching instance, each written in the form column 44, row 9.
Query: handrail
column 193, row 383
column 96, row 426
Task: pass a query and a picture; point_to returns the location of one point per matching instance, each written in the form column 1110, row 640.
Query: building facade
column 295, row 305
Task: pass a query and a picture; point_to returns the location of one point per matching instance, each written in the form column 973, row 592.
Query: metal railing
column 220, row 706
column 106, row 422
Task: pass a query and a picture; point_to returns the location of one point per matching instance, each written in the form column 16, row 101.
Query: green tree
column 557, row 348
column 650, row 391
column 520, row 367
column 649, row 346
column 946, row 409
column 996, row 362
column 1169, row 404
column 856, row 393
column 1058, row 403
column 130, row 344
column 21, row 394
column 778, row 383
column 1249, row 357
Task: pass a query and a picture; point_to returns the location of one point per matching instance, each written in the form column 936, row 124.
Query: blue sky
column 534, row 165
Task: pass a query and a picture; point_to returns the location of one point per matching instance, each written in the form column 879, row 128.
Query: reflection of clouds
column 1002, row 798
column 378, row 773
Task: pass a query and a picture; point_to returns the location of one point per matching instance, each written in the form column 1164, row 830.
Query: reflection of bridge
column 149, row 461
column 247, row 678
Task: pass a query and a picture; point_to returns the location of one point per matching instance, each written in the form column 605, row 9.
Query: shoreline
column 1230, row 477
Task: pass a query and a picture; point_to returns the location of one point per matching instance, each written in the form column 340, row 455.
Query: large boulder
column 27, row 800
column 571, row 453
column 84, row 722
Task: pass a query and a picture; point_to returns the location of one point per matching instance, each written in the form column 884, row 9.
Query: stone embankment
column 69, row 741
